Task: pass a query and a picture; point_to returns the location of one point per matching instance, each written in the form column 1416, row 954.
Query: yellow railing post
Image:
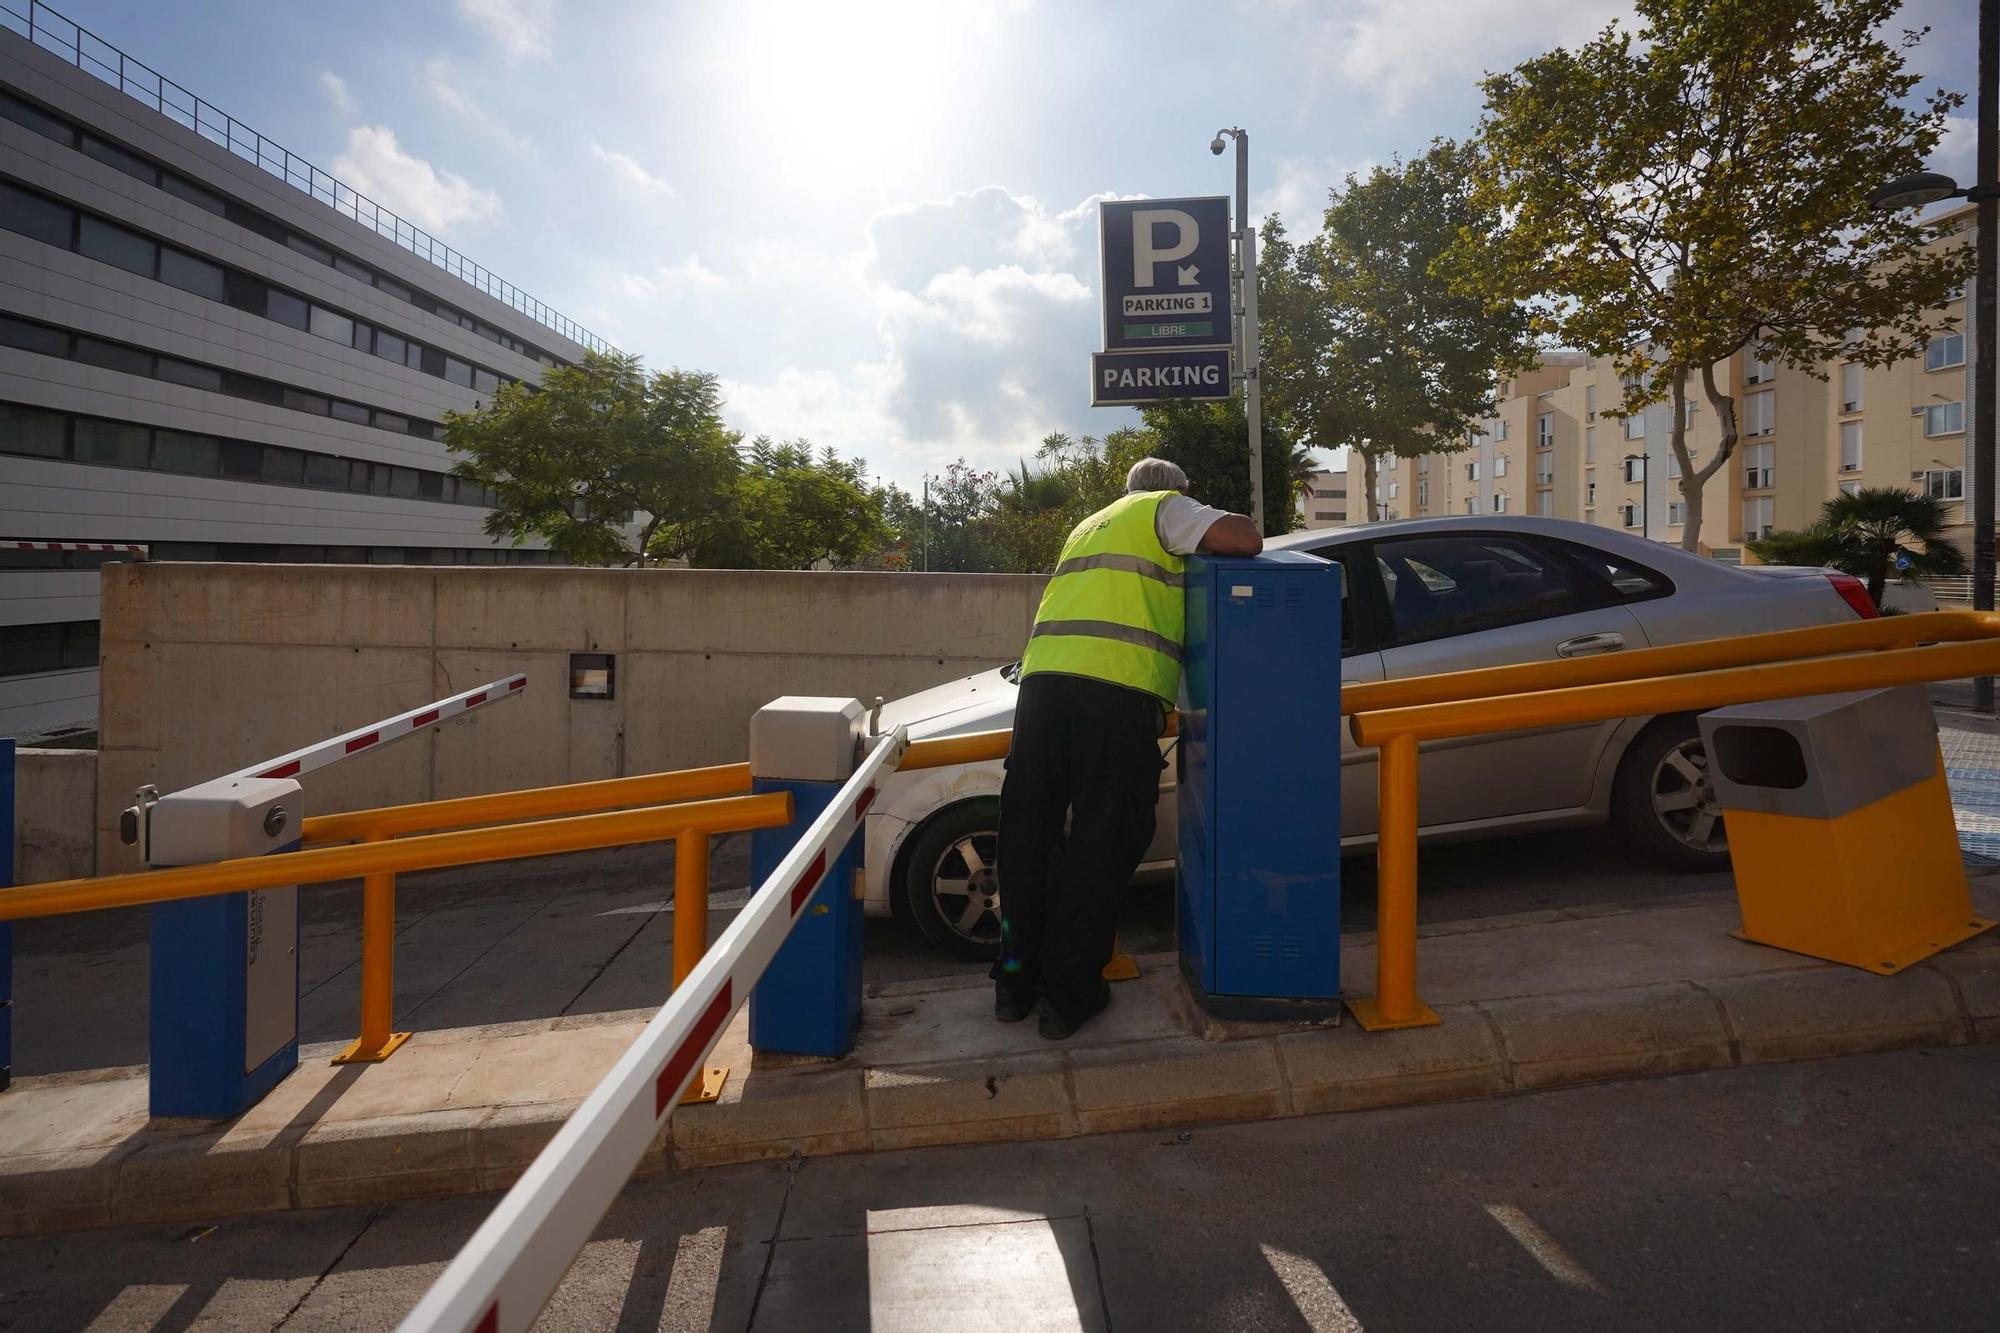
column 1395, row 1003
column 691, row 940
column 690, row 903
column 378, row 970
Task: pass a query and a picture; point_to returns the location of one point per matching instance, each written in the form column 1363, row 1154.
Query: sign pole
column 1246, row 315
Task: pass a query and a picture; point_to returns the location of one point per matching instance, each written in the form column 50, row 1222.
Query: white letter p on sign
column 1145, row 256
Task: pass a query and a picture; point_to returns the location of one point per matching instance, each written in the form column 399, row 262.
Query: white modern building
column 210, row 348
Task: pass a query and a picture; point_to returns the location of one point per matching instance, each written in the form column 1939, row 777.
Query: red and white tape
column 123, row 548
column 322, row 753
column 507, row 1271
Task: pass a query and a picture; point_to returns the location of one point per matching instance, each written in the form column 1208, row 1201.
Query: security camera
column 1215, row 145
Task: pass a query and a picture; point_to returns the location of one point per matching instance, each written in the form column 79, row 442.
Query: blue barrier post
column 225, row 968
column 7, row 929
column 809, row 1001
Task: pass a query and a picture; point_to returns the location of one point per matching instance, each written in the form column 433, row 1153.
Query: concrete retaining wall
column 207, row 668
column 54, row 793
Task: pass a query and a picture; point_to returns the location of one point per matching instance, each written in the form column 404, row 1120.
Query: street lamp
column 1645, row 493
column 1247, row 357
column 1920, row 189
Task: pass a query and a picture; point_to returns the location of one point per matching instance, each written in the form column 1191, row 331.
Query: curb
column 1484, row 1048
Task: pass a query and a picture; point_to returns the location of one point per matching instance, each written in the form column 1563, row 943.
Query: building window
column 1472, row 470
column 1395, row 487
column 332, row 325
column 284, row 308
column 1852, row 375
column 1944, row 351
column 1851, row 487
column 1545, row 429
column 1757, row 413
column 1500, row 429
column 1590, row 444
column 190, row 455
column 1629, row 514
column 1635, row 468
column 1676, row 513
column 1673, row 464
column 1500, row 502
column 1635, row 426
column 1423, row 493
column 1757, row 518
column 1944, row 418
column 23, row 430
column 1850, row 446
column 1758, row 461
column 1545, row 503
column 1471, row 505
column 182, row 270
column 115, row 245
column 1589, row 493
column 1500, row 465
column 1756, row 366
column 1545, row 468
column 1945, row 484
column 1590, row 402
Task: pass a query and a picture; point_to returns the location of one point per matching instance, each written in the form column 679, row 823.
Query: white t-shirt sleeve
column 1181, row 523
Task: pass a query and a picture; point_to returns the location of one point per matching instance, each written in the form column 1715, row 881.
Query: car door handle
column 1585, row 645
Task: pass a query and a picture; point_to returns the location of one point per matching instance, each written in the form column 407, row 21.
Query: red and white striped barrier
column 322, row 753
column 510, row 1267
column 120, row 548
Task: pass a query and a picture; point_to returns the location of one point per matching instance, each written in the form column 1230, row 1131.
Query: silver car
column 1422, row 596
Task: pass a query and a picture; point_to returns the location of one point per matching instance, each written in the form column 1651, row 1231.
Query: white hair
column 1155, row 474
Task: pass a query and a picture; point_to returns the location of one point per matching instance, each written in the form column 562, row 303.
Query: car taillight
column 1855, row 593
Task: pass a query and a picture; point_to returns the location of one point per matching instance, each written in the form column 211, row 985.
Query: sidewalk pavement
column 1529, row 1001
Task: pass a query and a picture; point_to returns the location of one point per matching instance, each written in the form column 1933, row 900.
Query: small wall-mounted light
column 593, row 676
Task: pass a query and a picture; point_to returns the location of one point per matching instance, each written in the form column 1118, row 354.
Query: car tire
column 1663, row 803
column 937, row 861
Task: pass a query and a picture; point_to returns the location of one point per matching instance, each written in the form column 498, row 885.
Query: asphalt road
column 593, row 932
column 1861, row 1193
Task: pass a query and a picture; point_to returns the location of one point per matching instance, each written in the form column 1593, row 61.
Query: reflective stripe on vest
column 1113, row 609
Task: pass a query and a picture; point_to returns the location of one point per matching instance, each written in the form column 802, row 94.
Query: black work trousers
column 1076, row 816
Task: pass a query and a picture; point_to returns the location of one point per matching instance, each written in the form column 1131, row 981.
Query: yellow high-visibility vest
column 1113, row 610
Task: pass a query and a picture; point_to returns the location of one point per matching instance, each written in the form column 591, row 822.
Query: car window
column 1348, row 606
column 1629, row 581
column 1444, row 585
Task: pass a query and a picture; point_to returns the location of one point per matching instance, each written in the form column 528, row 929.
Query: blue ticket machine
column 1258, row 907
column 225, row 968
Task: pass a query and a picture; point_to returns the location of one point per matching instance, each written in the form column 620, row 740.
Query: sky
column 873, row 220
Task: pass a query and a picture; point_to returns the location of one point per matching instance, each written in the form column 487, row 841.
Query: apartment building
column 1323, row 502
column 1550, row 448
column 212, row 350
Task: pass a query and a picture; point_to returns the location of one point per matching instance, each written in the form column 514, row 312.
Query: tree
column 955, row 538
column 1372, row 345
column 1870, row 533
column 599, row 443
column 1681, row 193
column 1211, row 442
column 791, row 509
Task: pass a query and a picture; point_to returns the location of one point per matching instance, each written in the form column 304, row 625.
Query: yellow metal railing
column 1397, row 716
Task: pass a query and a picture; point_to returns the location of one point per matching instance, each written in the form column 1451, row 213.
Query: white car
column 1421, row 596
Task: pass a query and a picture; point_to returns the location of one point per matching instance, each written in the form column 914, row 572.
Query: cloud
column 1957, row 151
column 374, row 164
column 522, row 27
column 1299, row 193
column 336, row 92
column 630, row 173
column 1401, row 49
column 446, row 86
column 687, row 277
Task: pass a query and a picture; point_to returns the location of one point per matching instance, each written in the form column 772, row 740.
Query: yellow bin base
column 1879, row 888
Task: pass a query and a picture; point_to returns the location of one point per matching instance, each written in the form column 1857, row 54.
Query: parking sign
column 1166, row 273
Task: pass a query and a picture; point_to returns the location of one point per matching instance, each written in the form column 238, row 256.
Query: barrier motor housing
column 1258, row 878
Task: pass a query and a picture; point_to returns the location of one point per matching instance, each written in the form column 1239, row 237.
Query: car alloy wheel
column 1684, row 799
column 965, row 886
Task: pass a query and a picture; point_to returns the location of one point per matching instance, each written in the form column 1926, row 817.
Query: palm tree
column 1867, row 534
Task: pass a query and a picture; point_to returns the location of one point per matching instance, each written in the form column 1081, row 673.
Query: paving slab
column 1539, row 1000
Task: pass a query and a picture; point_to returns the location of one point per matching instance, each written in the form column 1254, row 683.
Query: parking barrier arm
column 429, row 852
column 505, row 1274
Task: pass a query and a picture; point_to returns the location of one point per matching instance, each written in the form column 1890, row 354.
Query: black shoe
column 1057, row 1023
column 1010, row 1005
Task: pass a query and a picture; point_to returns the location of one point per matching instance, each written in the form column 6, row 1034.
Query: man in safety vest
column 1101, row 670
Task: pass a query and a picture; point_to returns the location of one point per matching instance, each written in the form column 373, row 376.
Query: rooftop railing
column 61, row 36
